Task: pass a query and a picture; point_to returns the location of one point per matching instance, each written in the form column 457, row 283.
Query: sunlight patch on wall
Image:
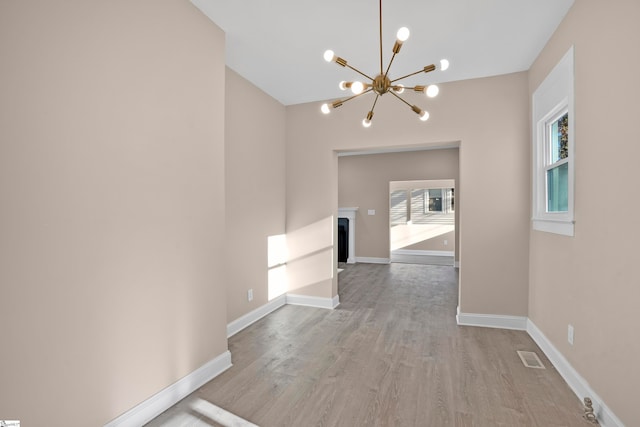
column 310, row 270
column 311, row 256
column 311, row 238
column 277, row 250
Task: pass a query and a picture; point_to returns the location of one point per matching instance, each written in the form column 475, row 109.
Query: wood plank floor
column 390, row 355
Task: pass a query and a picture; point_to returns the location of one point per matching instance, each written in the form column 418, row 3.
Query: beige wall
column 363, row 181
column 112, row 284
column 589, row 280
column 255, row 185
column 490, row 119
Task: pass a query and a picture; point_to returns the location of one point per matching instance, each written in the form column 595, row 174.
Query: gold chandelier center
column 381, row 84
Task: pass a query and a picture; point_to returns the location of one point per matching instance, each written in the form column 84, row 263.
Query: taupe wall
column 589, row 280
column 255, row 184
column 490, row 118
column 363, row 181
column 112, row 284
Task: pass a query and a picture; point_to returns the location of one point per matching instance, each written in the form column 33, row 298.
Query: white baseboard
column 518, row 323
column 255, row 315
column 579, row 385
column 416, row 252
column 317, row 302
column 163, row 400
column 370, row 260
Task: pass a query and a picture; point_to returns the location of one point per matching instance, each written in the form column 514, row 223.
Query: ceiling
column 278, row 45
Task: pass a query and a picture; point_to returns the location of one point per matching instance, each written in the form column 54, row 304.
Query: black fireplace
column 343, row 239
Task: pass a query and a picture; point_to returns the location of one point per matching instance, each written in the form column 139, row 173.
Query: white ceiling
column 278, row 44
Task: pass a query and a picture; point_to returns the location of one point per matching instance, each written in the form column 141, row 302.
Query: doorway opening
column 422, row 225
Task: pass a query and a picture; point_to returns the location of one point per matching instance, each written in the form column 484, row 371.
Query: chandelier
column 382, row 84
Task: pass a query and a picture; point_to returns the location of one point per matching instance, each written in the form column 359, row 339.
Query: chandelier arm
column 400, row 98
column 374, row 102
column 389, row 66
column 359, row 72
column 355, row 96
column 426, row 69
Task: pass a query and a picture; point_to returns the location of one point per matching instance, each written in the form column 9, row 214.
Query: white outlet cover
column 371, row 211
column 570, row 334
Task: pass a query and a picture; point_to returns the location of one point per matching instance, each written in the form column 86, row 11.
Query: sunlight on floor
column 407, row 235
column 198, row 412
column 218, row 415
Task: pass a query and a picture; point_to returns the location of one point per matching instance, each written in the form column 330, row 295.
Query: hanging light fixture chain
column 380, row 36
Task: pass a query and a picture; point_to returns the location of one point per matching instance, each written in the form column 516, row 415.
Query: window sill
column 565, row 228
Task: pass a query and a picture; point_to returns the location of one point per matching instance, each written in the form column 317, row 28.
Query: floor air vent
column 530, row 359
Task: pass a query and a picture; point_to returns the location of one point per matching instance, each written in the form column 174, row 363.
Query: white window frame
column 551, row 100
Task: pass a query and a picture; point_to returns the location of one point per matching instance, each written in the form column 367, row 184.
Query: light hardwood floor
column 390, row 355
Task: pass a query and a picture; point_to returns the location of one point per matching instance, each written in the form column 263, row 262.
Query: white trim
column 579, row 385
column 456, row 264
column 242, row 322
column 553, row 96
column 421, row 252
column 163, row 400
column 387, row 150
column 518, row 323
column 309, row 301
column 371, row 260
column 566, row 228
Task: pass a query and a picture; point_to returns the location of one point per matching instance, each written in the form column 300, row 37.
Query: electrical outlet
column 570, row 334
column 250, row 295
column 371, row 211
column 446, row 242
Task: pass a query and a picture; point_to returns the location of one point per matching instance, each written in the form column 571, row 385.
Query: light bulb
column 366, row 123
column 398, row 89
column 431, row 91
column 424, row 116
column 325, row 109
column 444, row 64
column 343, row 85
column 357, row 87
column 403, row 34
column 329, row 55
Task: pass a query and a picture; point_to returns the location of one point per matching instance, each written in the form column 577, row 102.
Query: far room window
column 553, row 139
column 557, row 168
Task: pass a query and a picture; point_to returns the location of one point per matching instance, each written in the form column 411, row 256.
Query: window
column 557, row 164
column 553, row 139
column 433, row 200
column 417, row 205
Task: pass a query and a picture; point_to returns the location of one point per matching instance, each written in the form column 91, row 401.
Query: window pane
column 558, row 189
column 435, row 200
column 560, row 139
